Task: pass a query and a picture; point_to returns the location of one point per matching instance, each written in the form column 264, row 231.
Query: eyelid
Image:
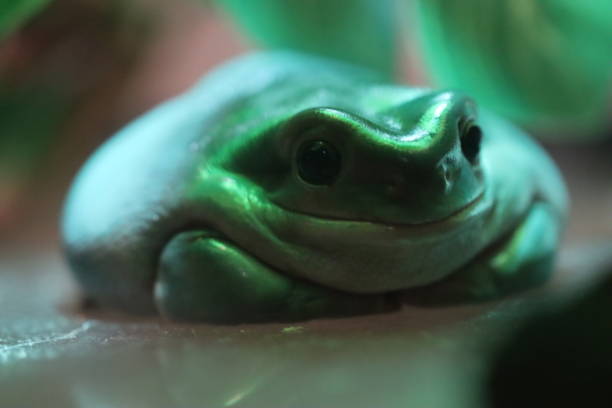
column 332, row 122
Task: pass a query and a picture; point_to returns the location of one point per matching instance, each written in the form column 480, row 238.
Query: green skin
column 199, row 209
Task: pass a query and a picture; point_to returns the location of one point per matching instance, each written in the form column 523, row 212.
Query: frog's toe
column 203, row 276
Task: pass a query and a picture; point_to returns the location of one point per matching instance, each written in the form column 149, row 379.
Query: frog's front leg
column 523, row 259
column 203, row 276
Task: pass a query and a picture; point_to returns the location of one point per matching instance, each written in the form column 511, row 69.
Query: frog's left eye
column 318, row 162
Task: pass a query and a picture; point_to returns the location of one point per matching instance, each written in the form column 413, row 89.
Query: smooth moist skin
column 286, row 187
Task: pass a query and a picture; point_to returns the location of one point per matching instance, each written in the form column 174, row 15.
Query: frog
column 286, row 187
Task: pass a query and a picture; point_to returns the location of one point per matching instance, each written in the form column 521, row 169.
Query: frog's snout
column 434, row 145
column 434, row 125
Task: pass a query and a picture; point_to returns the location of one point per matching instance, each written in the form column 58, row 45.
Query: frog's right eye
column 318, row 162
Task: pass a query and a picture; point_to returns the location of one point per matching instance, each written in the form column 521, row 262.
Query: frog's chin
column 363, row 256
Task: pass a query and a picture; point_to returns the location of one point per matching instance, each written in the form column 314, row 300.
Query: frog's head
column 338, row 176
column 413, row 161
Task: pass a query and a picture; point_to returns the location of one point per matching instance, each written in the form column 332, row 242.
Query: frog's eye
column 318, row 162
column 470, row 136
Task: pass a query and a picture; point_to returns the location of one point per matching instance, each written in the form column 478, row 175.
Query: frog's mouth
column 473, row 208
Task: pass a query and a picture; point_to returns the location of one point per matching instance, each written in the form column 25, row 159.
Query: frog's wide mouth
column 477, row 206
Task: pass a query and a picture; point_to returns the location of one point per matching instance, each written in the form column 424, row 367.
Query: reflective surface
column 50, row 356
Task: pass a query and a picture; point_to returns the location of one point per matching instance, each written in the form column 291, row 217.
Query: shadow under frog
column 287, row 187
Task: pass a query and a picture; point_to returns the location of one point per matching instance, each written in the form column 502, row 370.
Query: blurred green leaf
column 29, row 120
column 358, row 31
column 545, row 62
column 15, row 12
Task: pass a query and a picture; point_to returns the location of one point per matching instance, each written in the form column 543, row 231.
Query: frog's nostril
column 470, row 136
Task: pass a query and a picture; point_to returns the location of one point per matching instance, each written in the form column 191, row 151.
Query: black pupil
column 318, row 162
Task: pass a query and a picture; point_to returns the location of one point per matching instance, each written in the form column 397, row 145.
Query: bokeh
column 73, row 72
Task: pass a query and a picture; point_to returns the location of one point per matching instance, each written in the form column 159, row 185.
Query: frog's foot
column 521, row 260
column 202, row 276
